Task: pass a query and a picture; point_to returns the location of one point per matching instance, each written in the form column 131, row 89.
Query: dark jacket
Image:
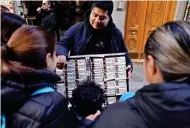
column 25, row 111
column 49, row 21
column 156, row 106
column 76, row 121
column 79, row 35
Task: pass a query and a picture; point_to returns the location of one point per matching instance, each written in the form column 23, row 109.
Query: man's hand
column 61, row 61
column 39, row 9
column 129, row 71
column 93, row 117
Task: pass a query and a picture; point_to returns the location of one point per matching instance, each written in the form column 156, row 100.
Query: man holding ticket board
column 96, row 35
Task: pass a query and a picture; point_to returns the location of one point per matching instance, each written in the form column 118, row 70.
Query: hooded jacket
column 78, row 36
column 164, row 105
column 25, row 111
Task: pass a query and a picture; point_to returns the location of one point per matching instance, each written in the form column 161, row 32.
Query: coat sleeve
column 123, row 48
column 53, row 24
column 119, row 115
column 67, row 40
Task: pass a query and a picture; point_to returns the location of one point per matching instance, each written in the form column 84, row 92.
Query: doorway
column 142, row 17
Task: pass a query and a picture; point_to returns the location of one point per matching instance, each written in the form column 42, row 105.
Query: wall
column 180, row 10
column 119, row 16
column 4, row 2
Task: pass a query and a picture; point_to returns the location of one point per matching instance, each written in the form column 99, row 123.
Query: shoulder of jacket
column 121, row 114
column 117, row 30
column 75, row 27
column 48, row 99
column 47, row 103
column 79, row 24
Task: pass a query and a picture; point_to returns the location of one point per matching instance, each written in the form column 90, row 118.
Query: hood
column 14, row 93
column 31, row 77
column 108, row 29
column 165, row 105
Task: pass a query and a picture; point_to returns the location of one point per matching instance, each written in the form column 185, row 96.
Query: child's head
column 87, row 98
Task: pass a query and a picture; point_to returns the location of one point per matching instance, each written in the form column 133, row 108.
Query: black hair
column 52, row 4
column 87, row 98
column 105, row 5
column 10, row 22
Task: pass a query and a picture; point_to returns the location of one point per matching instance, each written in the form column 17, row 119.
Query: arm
column 123, row 48
column 67, row 41
column 53, row 24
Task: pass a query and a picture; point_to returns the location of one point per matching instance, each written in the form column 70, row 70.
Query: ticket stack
column 107, row 70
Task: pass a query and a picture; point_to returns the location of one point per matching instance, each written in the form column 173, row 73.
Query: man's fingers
column 129, row 74
column 128, row 67
column 97, row 113
column 61, row 61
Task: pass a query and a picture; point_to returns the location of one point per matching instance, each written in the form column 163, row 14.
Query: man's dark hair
column 52, row 4
column 87, row 98
column 105, row 5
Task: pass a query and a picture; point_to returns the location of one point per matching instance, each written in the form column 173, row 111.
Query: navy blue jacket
column 164, row 105
column 22, row 110
column 77, row 37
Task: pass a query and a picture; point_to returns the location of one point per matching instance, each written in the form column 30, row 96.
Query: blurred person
column 4, row 9
column 165, row 102
column 48, row 16
column 28, row 62
column 87, row 100
column 10, row 22
column 96, row 35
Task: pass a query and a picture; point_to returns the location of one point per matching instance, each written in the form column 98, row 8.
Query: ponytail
column 26, row 51
column 9, row 64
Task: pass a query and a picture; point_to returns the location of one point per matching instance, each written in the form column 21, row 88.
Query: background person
column 4, row 9
column 47, row 16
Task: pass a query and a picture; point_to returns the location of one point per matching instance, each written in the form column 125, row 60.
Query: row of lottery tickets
column 109, row 73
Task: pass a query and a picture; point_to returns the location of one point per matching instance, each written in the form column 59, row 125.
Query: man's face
column 99, row 18
column 45, row 6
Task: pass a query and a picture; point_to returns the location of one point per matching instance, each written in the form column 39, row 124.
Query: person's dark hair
column 52, row 4
column 4, row 9
column 105, row 5
column 9, row 23
column 87, row 98
column 169, row 45
column 26, row 51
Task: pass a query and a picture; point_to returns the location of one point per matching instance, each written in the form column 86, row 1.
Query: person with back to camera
column 97, row 35
column 10, row 22
column 86, row 104
column 165, row 103
column 28, row 62
column 87, row 100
